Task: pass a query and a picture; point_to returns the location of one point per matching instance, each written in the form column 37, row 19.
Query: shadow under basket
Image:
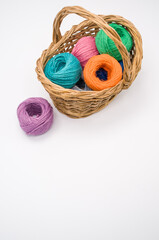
column 78, row 104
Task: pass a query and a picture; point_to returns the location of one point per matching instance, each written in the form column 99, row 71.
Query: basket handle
column 98, row 20
column 85, row 14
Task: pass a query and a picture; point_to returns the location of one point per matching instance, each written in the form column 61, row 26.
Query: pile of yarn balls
column 93, row 64
column 96, row 59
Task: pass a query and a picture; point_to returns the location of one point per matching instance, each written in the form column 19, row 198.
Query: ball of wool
column 84, row 49
column 109, row 64
column 122, row 65
column 106, row 45
column 63, row 69
column 81, row 84
column 102, row 74
column 35, row 116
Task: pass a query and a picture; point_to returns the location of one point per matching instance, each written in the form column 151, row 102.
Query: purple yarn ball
column 35, row 116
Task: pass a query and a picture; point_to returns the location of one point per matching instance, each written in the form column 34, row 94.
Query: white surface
column 86, row 179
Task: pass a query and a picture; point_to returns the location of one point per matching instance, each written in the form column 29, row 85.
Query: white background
column 86, row 179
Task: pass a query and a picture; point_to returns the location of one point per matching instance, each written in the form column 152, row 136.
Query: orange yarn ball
column 109, row 64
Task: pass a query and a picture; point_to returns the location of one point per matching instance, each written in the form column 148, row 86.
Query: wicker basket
column 77, row 104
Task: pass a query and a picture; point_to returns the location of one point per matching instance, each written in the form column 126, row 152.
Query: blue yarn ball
column 64, row 69
column 122, row 65
column 103, row 75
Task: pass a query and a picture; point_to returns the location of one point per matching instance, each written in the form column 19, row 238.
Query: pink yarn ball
column 84, row 49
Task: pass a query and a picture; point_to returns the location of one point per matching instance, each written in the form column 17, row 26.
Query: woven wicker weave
column 77, row 104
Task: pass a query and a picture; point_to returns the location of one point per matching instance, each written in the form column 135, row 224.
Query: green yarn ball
column 106, row 45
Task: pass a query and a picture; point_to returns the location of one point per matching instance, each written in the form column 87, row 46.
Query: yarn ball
column 102, row 74
column 81, row 84
column 63, row 69
column 84, row 49
column 109, row 64
column 106, row 45
column 122, row 65
column 35, row 116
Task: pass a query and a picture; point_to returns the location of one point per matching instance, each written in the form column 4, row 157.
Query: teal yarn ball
column 106, row 45
column 63, row 69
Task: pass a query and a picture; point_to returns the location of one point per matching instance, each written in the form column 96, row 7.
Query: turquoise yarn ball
column 63, row 69
column 106, row 45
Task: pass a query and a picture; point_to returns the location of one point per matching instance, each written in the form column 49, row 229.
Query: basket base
column 76, row 112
